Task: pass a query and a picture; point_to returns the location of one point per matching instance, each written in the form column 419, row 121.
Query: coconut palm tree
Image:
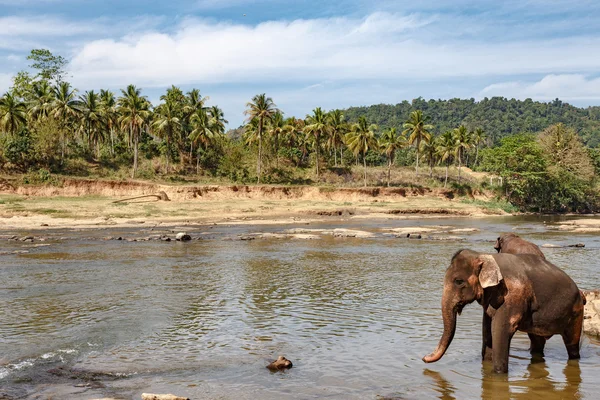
column 40, row 99
column 167, row 125
column 337, row 131
column 135, row 113
column 217, row 120
column 461, row 137
column 479, row 136
column 262, row 109
column 360, row 139
column 390, row 142
column 202, row 135
column 276, row 129
column 65, row 107
column 91, row 119
column 316, row 127
column 430, row 153
column 418, row 131
column 110, row 116
column 446, row 149
column 13, row 114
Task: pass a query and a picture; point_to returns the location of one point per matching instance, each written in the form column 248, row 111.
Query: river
column 83, row 317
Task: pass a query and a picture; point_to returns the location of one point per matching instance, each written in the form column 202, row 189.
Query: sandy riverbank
column 91, row 203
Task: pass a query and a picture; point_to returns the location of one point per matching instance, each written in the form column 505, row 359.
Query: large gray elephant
column 517, row 292
column 514, row 244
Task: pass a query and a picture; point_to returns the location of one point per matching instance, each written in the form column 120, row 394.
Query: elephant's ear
column 489, row 273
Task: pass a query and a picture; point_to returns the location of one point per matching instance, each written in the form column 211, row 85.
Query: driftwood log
column 160, row 196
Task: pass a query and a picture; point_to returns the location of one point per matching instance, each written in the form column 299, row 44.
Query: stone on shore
column 182, row 237
column 151, row 396
column 591, row 314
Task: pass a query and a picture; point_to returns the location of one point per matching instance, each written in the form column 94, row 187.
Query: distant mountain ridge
column 498, row 116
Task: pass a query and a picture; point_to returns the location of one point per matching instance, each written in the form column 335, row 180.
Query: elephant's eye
column 458, row 282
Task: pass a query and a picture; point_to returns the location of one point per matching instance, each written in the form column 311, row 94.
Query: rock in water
column 183, row 237
column 151, row 396
column 591, row 314
column 280, row 364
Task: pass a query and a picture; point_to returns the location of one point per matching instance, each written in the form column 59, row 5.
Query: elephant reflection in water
column 536, row 384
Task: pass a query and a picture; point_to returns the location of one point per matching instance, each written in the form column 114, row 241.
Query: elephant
column 517, row 292
column 514, row 244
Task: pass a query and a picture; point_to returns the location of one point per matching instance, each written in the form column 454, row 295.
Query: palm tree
column 446, row 148
column 479, row 137
column 91, row 120
column 418, row 130
column 337, row 131
column 108, row 108
column 166, row 124
column 276, row 129
column 64, row 108
column 262, row 109
column 134, row 110
column 202, row 134
column 40, row 100
column 217, row 120
column 390, row 142
column 293, row 132
column 193, row 102
column 316, row 127
column 430, row 153
column 360, row 139
column 461, row 137
column 13, row 114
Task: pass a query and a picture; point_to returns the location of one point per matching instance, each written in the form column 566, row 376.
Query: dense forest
column 545, row 156
column 497, row 116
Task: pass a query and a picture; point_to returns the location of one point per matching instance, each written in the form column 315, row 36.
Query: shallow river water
column 202, row 319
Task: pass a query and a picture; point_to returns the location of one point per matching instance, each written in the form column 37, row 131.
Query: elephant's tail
column 583, row 298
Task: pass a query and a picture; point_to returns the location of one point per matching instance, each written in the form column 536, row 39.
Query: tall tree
column 360, row 139
column 39, row 100
column 276, row 129
column 262, row 109
column 337, row 131
column 316, row 127
column 110, row 116
column 167, row 125
column 65, row 107
column 51, row 68
column 135, row 113
column 193, row 102
column 479, row 137
column 13, row 114
column 463, row 142
column 390, row 142
column 202, row 135
column 91, row 119
column 446, row 149
column 418, row 130
column 430, row 153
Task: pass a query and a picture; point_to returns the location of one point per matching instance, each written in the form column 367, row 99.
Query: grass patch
column 493, row 205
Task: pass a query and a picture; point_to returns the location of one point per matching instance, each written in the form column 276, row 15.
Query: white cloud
column 382, row 46
column 563, row 86
column 13, row 58
column 37, row 26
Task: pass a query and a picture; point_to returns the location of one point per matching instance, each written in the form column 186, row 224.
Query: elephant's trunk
column 449, row 316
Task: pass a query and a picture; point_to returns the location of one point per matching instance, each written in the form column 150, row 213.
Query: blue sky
column 307, row 53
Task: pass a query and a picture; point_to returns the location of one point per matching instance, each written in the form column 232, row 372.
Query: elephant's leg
column 571, row 337
column 486, row 345
column 503, row 330
column 537, row 344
